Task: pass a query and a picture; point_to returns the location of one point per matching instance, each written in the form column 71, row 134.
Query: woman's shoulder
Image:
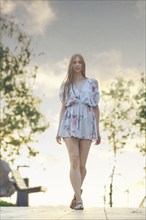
column 93, row 80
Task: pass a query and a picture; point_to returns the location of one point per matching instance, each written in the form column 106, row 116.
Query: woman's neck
column 79, row 77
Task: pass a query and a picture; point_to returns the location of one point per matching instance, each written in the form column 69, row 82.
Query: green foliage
column 141, row 101
column 21, row 118
column 4, row 203
column 118, row 109
column 140, row 120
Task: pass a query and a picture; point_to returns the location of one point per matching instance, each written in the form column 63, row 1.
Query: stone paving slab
column 125, row 213
column 64, row 213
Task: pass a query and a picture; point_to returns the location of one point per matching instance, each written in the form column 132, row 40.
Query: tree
column 140, row 120
column 116, row 118
column 21, row 118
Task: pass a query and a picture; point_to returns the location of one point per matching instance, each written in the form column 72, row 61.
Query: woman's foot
column 73, row 202
column 79, row 206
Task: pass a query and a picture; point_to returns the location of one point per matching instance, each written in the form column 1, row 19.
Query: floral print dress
column 79, row 119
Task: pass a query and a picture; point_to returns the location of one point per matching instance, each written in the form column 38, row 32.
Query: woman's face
column 77, row 65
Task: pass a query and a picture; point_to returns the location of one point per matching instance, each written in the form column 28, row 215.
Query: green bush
column 4, row 203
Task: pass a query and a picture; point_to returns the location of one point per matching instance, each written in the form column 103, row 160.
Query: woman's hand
column 58, row 139
column 98, row 141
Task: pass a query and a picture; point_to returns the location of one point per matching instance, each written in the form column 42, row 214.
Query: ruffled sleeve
column 95, row 96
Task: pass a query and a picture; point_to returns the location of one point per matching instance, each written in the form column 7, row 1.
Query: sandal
column 79, row 206
column 73, row 202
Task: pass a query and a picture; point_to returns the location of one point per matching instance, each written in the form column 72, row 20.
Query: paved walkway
column 65, row 213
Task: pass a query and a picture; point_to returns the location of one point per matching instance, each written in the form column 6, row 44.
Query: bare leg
column 75, row 175
column 84, row 147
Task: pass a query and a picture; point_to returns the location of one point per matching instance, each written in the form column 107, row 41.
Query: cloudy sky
column 110, row 34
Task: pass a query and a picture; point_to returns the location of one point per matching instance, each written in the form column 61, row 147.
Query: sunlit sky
column 111, row 37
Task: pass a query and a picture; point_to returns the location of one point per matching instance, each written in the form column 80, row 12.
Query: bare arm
column 97, row 116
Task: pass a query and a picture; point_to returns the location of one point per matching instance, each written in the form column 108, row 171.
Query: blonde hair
column 69, row 77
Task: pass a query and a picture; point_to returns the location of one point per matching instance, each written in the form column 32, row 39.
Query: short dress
column 79, row 119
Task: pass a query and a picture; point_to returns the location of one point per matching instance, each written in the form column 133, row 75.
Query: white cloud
column 35, row 15
column 50, row 77
column 8, row 6
column 109, row 57
column 47, row 80
column 107, row 65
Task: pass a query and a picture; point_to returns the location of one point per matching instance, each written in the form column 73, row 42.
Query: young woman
column 79, row 122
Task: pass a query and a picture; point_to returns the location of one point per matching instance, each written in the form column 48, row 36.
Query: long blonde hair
column 69, row 77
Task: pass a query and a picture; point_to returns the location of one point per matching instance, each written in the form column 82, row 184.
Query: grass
column 4, row 203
